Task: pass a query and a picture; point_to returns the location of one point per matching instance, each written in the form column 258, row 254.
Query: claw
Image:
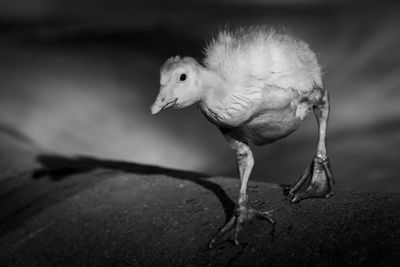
column 236, row 241
column 211, row 243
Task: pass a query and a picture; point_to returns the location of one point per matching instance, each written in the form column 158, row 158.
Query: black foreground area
column 80, row 211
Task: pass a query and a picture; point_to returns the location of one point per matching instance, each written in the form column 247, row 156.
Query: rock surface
column 81, row 211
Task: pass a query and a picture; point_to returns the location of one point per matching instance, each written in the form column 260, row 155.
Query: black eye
column 182, row 77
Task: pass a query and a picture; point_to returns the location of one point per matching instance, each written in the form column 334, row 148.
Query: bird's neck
column 214, row 87
column 214, row 91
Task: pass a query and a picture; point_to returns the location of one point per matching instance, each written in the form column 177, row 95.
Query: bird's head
column 179, row 84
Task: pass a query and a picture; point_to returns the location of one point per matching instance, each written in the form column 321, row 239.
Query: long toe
column 242, row 215
column 224, row 229
column 302, row 181
column 266, row 215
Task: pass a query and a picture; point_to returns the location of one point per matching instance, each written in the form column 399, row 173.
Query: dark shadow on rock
column 58, row 167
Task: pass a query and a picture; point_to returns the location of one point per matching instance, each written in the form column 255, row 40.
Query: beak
column 162, row 103
column 155, row 108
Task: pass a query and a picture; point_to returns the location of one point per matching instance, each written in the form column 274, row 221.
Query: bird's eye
column 182, row 77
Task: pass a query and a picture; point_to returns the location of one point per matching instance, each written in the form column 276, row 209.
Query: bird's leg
column 243, row 212
column 317, row 180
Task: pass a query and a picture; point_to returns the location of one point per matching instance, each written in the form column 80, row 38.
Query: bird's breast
column 270, row 125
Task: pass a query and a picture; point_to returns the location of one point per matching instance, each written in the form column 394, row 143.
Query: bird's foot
column 316, row 181
column 243, row 213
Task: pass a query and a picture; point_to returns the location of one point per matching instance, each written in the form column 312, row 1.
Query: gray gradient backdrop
column 78, row 77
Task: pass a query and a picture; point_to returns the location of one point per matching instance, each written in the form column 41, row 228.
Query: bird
column 256, row 85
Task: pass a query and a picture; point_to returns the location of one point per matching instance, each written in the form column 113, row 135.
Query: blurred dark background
column 78, row 77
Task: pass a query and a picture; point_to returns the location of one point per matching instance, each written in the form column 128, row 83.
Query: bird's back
column 258, row 57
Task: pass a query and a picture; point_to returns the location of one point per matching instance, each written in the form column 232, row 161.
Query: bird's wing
column 243, row 98
column 238, row 106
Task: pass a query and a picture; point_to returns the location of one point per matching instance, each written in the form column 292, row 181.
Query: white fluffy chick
column 256, row 86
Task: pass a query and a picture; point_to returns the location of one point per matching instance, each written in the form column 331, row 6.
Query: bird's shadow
column 58, row 167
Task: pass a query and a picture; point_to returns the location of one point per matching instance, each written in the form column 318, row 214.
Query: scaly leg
column 243, row 212
column 317, row 180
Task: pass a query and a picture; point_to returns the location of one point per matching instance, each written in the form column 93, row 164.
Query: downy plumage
column 256, row 86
